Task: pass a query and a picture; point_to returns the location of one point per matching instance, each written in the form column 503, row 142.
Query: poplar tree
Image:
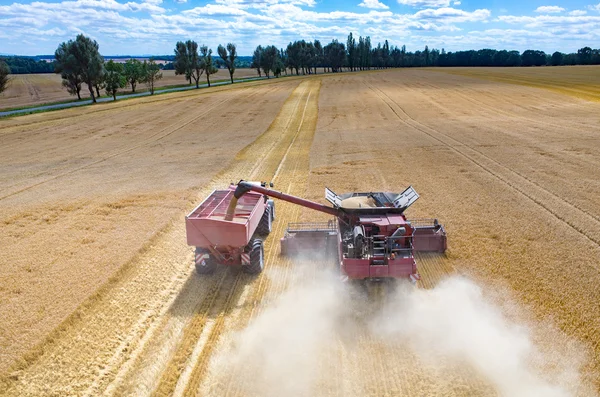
column 207, row 63
column 228, row 58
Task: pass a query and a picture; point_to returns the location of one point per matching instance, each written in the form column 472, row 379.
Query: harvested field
column 36, row 89
column 99, row 287
column 577, row 81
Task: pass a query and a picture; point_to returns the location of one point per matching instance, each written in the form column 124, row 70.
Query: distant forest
column 37, row 64
column 359, row 55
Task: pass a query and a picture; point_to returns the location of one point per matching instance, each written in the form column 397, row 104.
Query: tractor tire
column 266, row 222
column 204, row 264
column 257, row 257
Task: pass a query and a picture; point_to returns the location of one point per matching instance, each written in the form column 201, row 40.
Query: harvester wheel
column 205, row 262
column 266, row 222
column 257, row 257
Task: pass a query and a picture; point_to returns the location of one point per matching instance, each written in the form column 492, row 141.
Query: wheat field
column 99, row 289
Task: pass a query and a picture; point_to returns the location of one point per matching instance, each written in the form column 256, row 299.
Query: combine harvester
column 369, row 236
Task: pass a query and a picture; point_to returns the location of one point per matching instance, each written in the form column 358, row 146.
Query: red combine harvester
column 370, row 235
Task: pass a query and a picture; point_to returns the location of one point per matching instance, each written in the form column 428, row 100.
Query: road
column 124, row 96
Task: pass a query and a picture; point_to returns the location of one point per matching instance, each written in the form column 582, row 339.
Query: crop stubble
column 188, row 165
column 513, row 181
column 511, row 171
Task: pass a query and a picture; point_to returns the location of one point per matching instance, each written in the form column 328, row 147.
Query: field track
column 514, row 181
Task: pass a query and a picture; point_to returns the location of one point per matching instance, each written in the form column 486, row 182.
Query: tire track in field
column 272, row 145
column 165, row 132
column 568, row 214
column 204, row 340
column 89, row 350
column 481, row 153
column 292, row 175
column 263, row 145
column 491, row 110
column 135, row 121
column 291, row 168
column 62, row 114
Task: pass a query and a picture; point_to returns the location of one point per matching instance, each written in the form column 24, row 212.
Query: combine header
column 369, row 235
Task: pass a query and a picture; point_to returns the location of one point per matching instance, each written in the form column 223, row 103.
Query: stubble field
column 42, row 88
column 98, row 286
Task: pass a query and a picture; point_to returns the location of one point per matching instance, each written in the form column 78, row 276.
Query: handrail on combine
column 312, row 226
column 422, row 223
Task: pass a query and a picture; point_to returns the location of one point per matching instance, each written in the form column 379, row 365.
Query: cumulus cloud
column 146, row 26
column 375, row 4
column 425, row 3
column 454, row 15
column 550, row 9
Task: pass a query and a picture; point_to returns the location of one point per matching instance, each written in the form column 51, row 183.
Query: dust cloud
column 455, row 321
column 278, row 353
column 286, row 348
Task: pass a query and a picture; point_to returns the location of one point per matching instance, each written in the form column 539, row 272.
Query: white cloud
column 425, row 3
column 216, row 10
column 453, row 15
column 550, row 9
column 144, row 26
column 553, row 21
column 596, row 7
column 263, row 4
column 375, row 4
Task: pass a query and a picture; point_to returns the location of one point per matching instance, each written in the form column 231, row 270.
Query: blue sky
column 141, row 27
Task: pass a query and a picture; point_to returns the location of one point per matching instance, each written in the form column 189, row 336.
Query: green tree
column 228, row 58
column 284, row 59
column 293, row 57
column 133, row 72
column 335, row 55
column 256, row 63
column 89, row 60
column 69, row 69
column 557, row 59
column 207, row 63
column 268, row 59
column 196, row 63
column 114, row 78
column 152, row 74
column 352, row 50
column 585, row 55
column 183, row 62
column 4, row 79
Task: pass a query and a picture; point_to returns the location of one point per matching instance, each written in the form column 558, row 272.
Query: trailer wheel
column 257, row 257
column 205, row 262
column 266, row 222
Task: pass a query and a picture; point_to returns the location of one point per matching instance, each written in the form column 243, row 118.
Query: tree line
column 193, row 61
column 26, row 65
column 360, row 54
column 81, row 65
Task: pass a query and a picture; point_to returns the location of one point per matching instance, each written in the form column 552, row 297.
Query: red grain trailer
column 236, row 239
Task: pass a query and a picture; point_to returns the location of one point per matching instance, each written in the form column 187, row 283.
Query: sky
column 152, row 27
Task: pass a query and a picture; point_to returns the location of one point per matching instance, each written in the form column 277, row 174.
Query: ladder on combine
column 379, row 250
